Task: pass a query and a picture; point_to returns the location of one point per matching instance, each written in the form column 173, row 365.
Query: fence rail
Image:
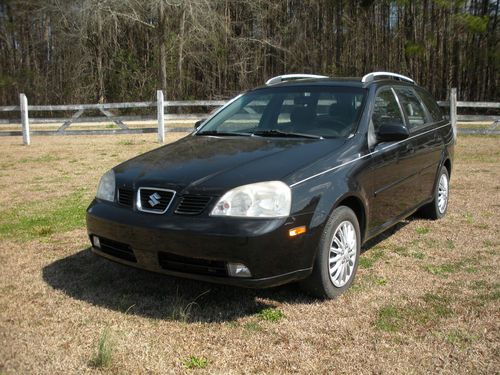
column 163, row 116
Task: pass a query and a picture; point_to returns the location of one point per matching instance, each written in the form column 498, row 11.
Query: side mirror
column 392, row 132
column 199, row 122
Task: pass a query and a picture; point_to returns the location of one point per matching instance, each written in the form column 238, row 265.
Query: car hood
column 213, row 164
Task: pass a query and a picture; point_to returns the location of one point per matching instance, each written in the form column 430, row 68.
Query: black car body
column 383, row 167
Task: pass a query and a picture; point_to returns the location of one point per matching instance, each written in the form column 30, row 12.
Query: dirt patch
column 426, row 298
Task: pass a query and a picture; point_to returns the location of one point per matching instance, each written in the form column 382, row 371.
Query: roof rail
column 371, row 77
column 291, row 77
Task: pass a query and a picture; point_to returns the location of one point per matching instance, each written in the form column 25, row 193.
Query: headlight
column 263, row 199
column 106, row 187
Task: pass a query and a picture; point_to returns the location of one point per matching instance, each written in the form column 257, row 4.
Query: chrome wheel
column 342, row 256
column 442, row 198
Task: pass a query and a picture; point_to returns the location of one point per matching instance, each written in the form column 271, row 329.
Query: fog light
column 238, row 270
column 96, row 242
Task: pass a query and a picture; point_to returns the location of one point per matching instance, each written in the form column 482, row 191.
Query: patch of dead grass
column 398, row 317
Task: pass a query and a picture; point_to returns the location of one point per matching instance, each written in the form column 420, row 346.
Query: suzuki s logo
column 154, row 199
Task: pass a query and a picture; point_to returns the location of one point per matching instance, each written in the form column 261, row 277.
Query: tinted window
column 431, row 105
column 244, row 117
column 386, row 109
column 413, row 108
column 322, row 111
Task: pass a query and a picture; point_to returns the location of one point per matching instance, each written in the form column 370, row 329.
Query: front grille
column 192, row 204
column 179, row 263
column 155, row 200
column 126, row 197
column 117, row 249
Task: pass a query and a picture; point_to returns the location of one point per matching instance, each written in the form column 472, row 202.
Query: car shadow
column 372, row 242
column 98, row 281
column 87, row 277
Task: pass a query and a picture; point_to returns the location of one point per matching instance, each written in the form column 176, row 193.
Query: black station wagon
column 284, row 183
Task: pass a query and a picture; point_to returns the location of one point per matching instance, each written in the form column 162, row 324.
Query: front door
column 393, row 171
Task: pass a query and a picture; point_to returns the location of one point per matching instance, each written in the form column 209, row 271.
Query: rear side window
column 413, row 108
column 431, row 105
column 386, row 109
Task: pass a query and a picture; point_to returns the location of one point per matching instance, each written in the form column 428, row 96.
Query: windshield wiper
column 216, row 132
column 280, row 133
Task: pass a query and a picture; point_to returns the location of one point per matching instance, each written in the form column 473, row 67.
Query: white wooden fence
column 454, row 104
column 163, row 116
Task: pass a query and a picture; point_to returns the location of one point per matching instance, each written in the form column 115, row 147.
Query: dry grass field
column 426, row 298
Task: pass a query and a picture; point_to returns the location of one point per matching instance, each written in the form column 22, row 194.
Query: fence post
column 161, row 116
column 453, row 111
column 25, row 119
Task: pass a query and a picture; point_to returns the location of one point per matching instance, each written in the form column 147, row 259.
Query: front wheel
column 439, row 205
column 338, row 254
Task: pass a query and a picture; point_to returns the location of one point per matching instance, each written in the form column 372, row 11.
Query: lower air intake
column 172, row 262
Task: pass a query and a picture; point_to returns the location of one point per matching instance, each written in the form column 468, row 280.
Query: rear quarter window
column 431, row 105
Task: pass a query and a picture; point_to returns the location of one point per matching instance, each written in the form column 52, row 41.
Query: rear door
column 425, row 140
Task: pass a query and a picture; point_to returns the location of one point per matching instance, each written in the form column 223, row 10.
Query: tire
column 320, row 283
column 439, row 205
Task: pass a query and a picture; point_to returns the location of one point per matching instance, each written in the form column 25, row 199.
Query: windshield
column 310, row 112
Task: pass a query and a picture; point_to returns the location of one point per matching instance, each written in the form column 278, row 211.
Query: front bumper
column 263, row 245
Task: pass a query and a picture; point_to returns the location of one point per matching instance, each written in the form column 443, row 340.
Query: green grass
column 127, row 142
column 393, row 318
column 479, row 285
column 271, row 314
column 42, row 159
column 469, row 217
column 488, row 243
column 401, row 250
column 389, row 319
column 194, row 362
column 405, row 252
column 459, row 337
column 370, row 257
column 448, row 268
column 252, row 326
column 418, row 255
column 367, row 281
column 422, row 230
column 487, row 293
column 181, row 309
column 439, row 304
column 485, row 125
column 104, row 352
column 43, row 218
column 482, row 226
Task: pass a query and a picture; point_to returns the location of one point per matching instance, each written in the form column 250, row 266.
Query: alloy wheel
column 342, row 254
column 442, row 193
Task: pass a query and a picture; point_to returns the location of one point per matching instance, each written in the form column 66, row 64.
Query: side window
column 386, row 109
column 413, row 108
column 431, row 105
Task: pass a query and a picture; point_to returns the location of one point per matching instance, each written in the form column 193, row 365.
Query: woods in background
column 87, row 51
